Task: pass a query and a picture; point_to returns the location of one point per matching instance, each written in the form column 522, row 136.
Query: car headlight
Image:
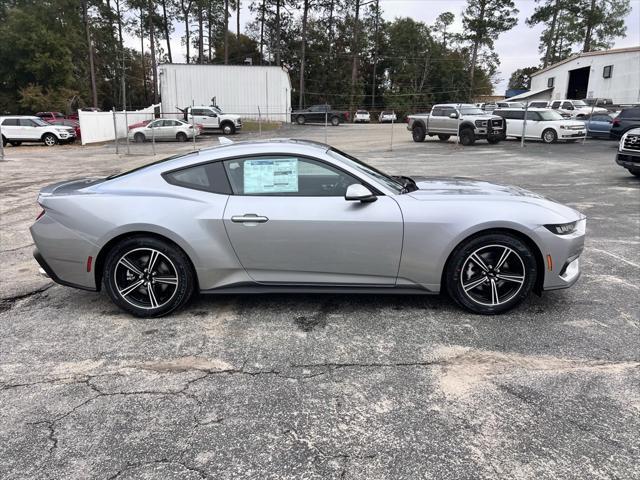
column 481, row 123
column 62, row 130
column 563, row 228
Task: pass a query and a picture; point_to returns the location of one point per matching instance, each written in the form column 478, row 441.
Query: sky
column 516, row 48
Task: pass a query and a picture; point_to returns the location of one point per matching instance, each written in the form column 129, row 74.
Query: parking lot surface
column 330, row 386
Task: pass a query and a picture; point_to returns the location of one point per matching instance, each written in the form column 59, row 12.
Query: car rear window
column 209, row 177
column 630, row 113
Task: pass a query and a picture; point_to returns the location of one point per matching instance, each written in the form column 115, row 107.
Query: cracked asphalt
column 330, row 386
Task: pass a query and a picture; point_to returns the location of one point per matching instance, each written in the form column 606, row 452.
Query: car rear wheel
column 148, row 277
column 300, row 120
column 444, row 138
column 467, row 137
column 335, row 121
column 549, row 136
column 139, row 137
column 418, row 133
column 49, row 139
column 491, row 273
column 181, row 137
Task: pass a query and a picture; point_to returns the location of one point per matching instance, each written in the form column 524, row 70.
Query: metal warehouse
column 246, row 90
column 611, row 74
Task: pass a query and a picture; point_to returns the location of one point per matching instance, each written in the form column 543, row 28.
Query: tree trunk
column 375, row 57
column 92, row 69
column 144, row 67
column 167, row 37
column 305, row 14
column 277, row 47
column 354, row 64
column 226, row 32
column 121, row 44
column 200, row 35
column 330, row 49
column 238, row 7
column 262, row 32
column 185, row 14
column 476, row 45
column 552, row 33
column 209, row 30
column 589, row 28
column 152, row 42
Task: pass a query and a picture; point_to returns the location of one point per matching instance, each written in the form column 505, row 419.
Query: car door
column 28, row 129
column 514, row 124
column 599, row 125
column 11, row 128
column 534, row 125
column 449, row 125
column 288, row 222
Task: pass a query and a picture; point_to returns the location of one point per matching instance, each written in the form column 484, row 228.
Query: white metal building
column 611, row 74
column 245, row 90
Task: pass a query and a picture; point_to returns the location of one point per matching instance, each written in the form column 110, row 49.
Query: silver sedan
column 298, row 216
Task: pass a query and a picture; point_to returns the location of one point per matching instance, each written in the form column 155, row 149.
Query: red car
column 47, row 116
column 66, row 122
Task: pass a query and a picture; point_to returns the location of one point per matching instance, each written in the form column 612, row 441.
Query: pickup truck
column 467, row 121
column 212, row 118
column 319, row 114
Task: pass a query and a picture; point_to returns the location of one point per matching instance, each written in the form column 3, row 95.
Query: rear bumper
column 48, row 271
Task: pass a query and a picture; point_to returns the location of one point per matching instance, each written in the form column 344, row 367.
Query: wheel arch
column 98, row 268
column 419, row 123
column 49, row 133
column 537, row 288
column 467, row 124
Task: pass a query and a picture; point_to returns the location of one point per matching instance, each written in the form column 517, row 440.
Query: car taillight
column 40, row 215
column 616, row 122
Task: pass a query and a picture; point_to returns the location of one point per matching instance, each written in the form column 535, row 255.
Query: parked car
column 319, row 114
column 538, row 104
column 67, row 123
column 163, row 130
column 576, row 108
column 488, row 107
column 599, row 126
column 509, row 105
column 139, row 124
column 19, row 129
column 629, row 151
column 361, row 116
column 627, row 119
column 48, row 116
column 281, row 216
column 542, row 124
column 387, row 117
column 598, row 101
column 213, row 118
column 465, row 120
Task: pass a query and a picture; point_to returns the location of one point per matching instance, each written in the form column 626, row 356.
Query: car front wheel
column 50, row 139
column 300, row 120
column 335, row 121
column 148, row 277
column 549, row 136
column 228, row 129
column 491, row 273
column 467, row 137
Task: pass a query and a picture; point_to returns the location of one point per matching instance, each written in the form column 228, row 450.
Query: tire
column 15, row 143
column 467, row 137
column 462, row 272
column 125, row 267
column 634, row 172
column 4, row 141
column 49, row 139
column 139, row 137
column 181, row 137
column 335, row 121
column 300, row 120
column 418, row 133
column 228, row 128
column 549, row 136
column 444, row 138
column 493, row 140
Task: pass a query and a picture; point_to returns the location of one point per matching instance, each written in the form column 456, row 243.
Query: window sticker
column 271, row 176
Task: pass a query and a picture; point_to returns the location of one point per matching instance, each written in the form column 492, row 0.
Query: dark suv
column 627, row 119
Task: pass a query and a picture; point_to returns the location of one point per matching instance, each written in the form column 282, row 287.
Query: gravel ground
column 330, row 386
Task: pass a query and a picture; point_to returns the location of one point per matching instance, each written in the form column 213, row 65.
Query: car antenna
column 225, row 141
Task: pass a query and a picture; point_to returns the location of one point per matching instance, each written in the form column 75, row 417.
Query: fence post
column 115, row 130
column 392, row 124
column 153, row 136
column 259, row 122
column 126, row 126
column 326, row 114
column 524, row 125
column 193, row 126
column 458, row 131
column 586, row 127
column 1, row 146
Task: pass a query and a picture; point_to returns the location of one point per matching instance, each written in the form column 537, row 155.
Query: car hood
column 226, row 116
column 431, row 188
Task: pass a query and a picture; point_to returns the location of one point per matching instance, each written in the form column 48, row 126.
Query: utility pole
column 124, row 88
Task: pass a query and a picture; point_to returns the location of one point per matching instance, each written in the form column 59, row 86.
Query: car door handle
column 249, row 218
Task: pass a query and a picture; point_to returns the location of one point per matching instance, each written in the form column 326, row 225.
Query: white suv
column 18, row 129
column 542, row 124
column 576, row 108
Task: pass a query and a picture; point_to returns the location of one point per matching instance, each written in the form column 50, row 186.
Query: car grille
column 576, row 127
column 496, row 123
column 632, row 142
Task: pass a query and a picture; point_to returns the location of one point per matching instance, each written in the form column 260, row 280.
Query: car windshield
column 368, row 170
column 579, row 103
column 217, row 110
column 471, row 111
column 550, row 115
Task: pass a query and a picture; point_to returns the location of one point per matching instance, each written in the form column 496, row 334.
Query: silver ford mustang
column 299, row 216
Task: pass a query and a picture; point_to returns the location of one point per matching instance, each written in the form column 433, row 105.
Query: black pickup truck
column 319, row 114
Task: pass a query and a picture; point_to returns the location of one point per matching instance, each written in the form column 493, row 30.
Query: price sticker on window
column 271, row 176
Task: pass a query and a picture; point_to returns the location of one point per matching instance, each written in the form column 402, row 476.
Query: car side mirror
column 453, row 115
column 358, row 192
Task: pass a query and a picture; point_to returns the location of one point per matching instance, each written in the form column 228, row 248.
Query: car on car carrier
column 467, row 121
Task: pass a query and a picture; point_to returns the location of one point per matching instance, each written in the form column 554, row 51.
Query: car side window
column 555, row 105
column 27, row 122
column 446, row 111
column 567, row 106
column 436, row 112
column 282, row 175
column 209, row 177
column 534, row 116
column 10, row 122
column 517, row 115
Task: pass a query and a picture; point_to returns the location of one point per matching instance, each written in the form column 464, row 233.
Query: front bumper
column 628, row 159
column 562, row 256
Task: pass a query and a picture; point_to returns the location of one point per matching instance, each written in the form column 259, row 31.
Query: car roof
column 32, row 117
column 532, row 109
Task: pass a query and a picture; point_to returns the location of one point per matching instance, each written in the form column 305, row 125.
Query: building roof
column 528, row 94
column 587, row 54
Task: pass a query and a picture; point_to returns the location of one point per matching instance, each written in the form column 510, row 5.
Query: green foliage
column 521, row 78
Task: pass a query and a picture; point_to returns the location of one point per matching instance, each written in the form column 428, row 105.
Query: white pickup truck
column 212, row 118
column 467, row 121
